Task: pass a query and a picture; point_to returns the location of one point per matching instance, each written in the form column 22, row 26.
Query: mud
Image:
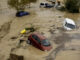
column 62, row 39
column 54, row 53
column 4, row 30
column 48, row 22
column 65, row 43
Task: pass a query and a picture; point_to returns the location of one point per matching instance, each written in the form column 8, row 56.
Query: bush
column 20, row 5
column 72, row 6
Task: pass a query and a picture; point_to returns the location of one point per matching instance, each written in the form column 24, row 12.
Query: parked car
column 22, row 13
column 39, row 41
column 69, row 24
column 46, row 5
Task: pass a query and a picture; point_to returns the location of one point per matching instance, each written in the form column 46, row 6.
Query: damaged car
column 69, row 24
column 39, row 41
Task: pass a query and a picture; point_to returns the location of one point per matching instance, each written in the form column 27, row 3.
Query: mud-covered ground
column 49, row 22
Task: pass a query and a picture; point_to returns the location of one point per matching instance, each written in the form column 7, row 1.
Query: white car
column 42, row 4
column 69, row 24
column 46, row 5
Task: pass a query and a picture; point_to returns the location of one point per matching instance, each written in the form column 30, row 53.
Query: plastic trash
column 23, row 31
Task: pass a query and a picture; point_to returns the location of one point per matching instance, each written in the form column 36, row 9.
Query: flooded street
column 66, row 44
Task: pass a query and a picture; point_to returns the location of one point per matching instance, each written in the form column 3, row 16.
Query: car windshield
column 70, row 26
column 45, row 42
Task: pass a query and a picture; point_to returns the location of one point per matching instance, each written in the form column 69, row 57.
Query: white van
column 69, row 24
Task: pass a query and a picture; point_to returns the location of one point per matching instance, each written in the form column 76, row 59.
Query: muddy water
column 74, row 16
column 68, row 55
column 45, row 20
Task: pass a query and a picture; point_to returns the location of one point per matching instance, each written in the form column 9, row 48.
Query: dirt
column 4, row 30
column 48, row 22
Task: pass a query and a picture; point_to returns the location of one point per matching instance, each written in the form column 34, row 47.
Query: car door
column 36, row 41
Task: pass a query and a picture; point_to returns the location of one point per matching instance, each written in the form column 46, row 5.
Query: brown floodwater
column 74, row 16
column 68, row 55
column 40, row 17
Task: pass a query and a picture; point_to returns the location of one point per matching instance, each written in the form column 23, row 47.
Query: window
column 70, row 25
column 36, row 38
column 45, row 42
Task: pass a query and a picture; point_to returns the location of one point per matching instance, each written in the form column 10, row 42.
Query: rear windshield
column 70, row 25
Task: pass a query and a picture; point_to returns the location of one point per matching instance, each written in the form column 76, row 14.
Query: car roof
column 39, row 35
column 69, row 21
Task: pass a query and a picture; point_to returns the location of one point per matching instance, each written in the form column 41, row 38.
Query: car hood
column 48, row 48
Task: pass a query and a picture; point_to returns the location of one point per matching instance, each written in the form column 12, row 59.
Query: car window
column 36, row 38
column 70, row 25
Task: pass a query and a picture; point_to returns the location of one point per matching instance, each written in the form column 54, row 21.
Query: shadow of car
column 39, row 41
column 22, row 13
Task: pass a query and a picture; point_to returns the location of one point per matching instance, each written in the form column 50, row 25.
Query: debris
column 14, row 37
column 15, row 57
column 23, row 31
column 51, row 31
column 22, row 39
column 59, row 16
column 30, row 29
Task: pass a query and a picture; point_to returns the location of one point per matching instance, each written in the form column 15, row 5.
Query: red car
column 39, row 41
